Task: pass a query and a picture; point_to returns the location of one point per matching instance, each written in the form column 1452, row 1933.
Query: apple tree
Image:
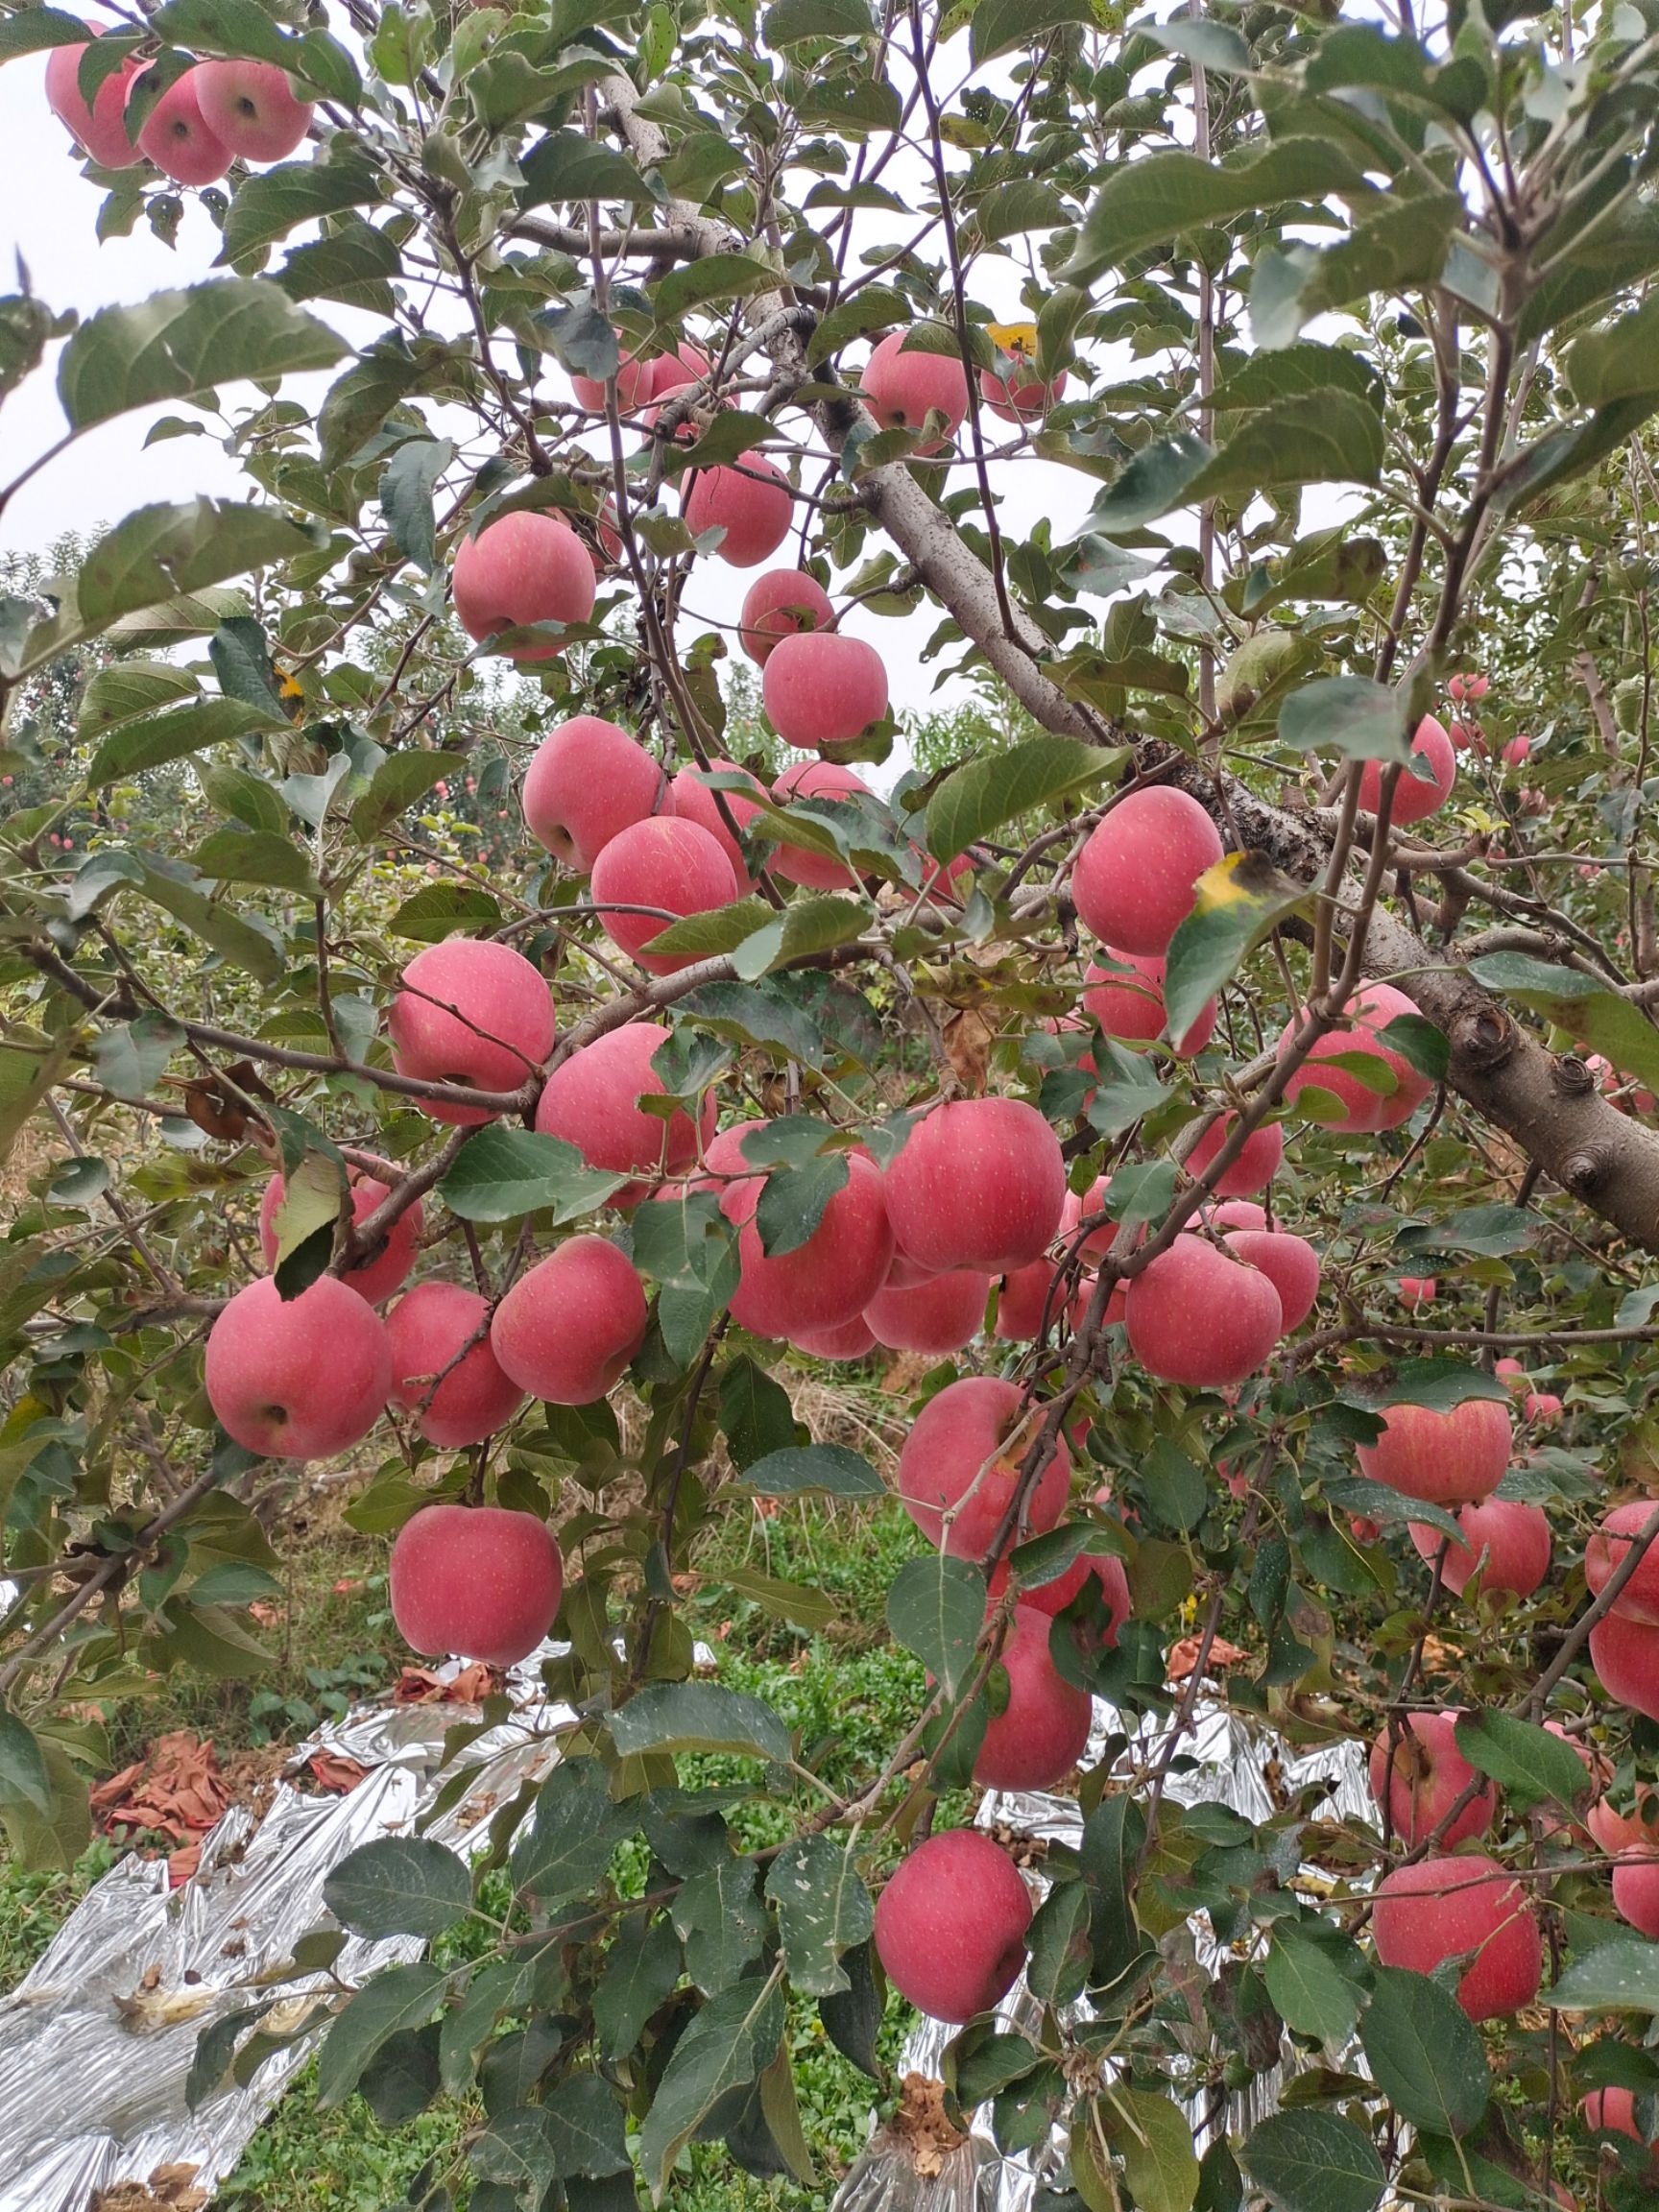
column 439, row 1012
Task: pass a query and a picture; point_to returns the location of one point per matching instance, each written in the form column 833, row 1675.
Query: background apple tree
column 1339, row 326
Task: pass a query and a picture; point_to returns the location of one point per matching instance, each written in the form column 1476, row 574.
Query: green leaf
column 1619, row 363
column 401, row 1997
column 1296, row 371
column 23, row 1773
column 823, row 1910
column 356, row 404
column 238, row 27
column 176, row 345
column 1618, row 1977
column 1308, row 1990
column 1308, row 2161
column 267, row 206
column 830, row 1469
column 1339, row 440
column 1060, row 1946
column 684, row 1242
column 1350, row 714
column 36, row 30
column 1155, row 481
column 983, row 794
column 584, row 2120
column 716, row 277
column 719, row 929
column 1154, row 2139
column 1161, row 196
column 1237, row 903
column 398, row 1886
column 131, row 1056
column 565, row 165
column 501, row 1174
column 1520, row 1757
column 1438, row 1384
column 514, row 2153
column 1402, row 246
column 1425, row 2054
column 999, row 26
column 791, row 22
column 1594, row 1014
column 642, row 1971
column 727, row 2045
column 255, row 856
column 755, row 1416
column 720, row 1922
column 401, row 779
column 699, row 1717
column 354, row 265
column 402, row 2079
column 129, row 692
column 810, row 1609
column 170, row 736
column 1114, row 1837
column 407, row 484
column 805, row 926
column 936, row 1608
column 443, row 910
column 792, row 1202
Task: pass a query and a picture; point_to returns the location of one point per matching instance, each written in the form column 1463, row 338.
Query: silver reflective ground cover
column 97, row 2042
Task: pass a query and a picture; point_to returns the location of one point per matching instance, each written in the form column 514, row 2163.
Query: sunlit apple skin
column 1424, row 1779
column 824, row 1282
column 1134, row 880
column 252, row 108
column 822, row 687
column 751, row 502
column 1198, row 1316
column 1414, row 801
column 588, row 781
column 375, row 1278
column 566, row 1331
column 1516, row 1536
column 693, row 799
column 1041, row 1732
column 937, row 1315
column 475, row 1580
column 1373, row 1007
column 797, row 863
column 522, row 569
column 1257, row 1163
column 426, row 1330
column 963, row 1455
column 100, row 130
column 1021, row 396
column 1604, row 1554
column 175, row 135
column 951, row 1926
column 1131, row 1007
column 1290, row 1263
column 475, row 1012
column 778, row 605
column 1440, row 1909
column 978, row 1183
column 591, row 1101
column 903, row 387
column 299, row 1378
column 1625, row 1656
column 1454, row 1458
column 665, row 862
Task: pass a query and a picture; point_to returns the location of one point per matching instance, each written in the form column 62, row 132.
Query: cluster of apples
column 215, row 113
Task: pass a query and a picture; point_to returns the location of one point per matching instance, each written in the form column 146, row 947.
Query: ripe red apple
column 1636, row 1891
column 663, row 862
column 1610, row 1830
column 588, row 781
column 962, row 1456
column 1257, row 1165
column 1444, row 1907
column 175, row 136
column 1453, row 1458
column 1131, row 1007
column 592, row 1100
column 1099, row 1240
column 1197, row 1315
column 687, row 364
column 384, row 1271
column 98, row 129
column 823, row 1284
column 1612, row 2112
column 978, row 1183
column 634, row 386
column 951, row 1926
column 1290, row 1263
column 1625, row 1656
column 1417, row 1291
column 566, row 1331
column 751, row 502
column 778, row 605
column 1041, row 1732
column 693, row 799
column 822, row 687
column 903, row 387
column 1103, row 1569
column 426, row 1330
column 1542, row 1407
column 852, row 1341
column 1514, row 1539
column 1374, row 1006
column 1518, row 750
column 1468, row 686
column 252, row 108
column 1604, row 1554
column 1424, row 1779
column 1022, row 395
column 799, row 863
column 1414, row 801
column 298, row 1378
column 938, row 1314
column 471, row 1011
column 1134, row 880
column 522, row 568
column 1028, row 1296
column 475, row 1580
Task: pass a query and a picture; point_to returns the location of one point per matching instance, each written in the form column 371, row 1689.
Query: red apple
column 751, row 502
column 688, row 364
column 1257, row 1163
column 1041, row 1732
column 1604, row 1554
column 978, row 1183
column 426, row 1330
column 1022, row 395
column 951, row 1926
column 522, row 568
column 799, row 863
column 1518, row 750
column 1134, row 880
column 822, row 687
column 1099, row 1241
column 1417, row 1291
column 902, row 386
column 475, row 1580
column 826, row 1282
column 98, row 129
column 252, row 108
column 588, row 781
column 175, row 136
column 852, row 1341
column 1414, row 800
column 939, row 1315
column 1197, row 1315
column 1103, row 1569
column 566, row 1331
column 1636, row 1891
column 1130, row 1007
column 1612, row 2112
column 778, row 605
column 1027, row 1296
column 1510, row 1540
column 662, row 862
column 383, row 1271
column 634, row 386
column 1290, row 1263
column 1454, row 1458
column 298, row 1378
column 1374, row 1006
column 1425, row 1778
column 1625, row 1656
column 1611, row 1831
column 592, row 1100
column 1468, row 686
column 692, row 798
column 471, row 1011
column 1446, row 1907
column 962, row 1458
